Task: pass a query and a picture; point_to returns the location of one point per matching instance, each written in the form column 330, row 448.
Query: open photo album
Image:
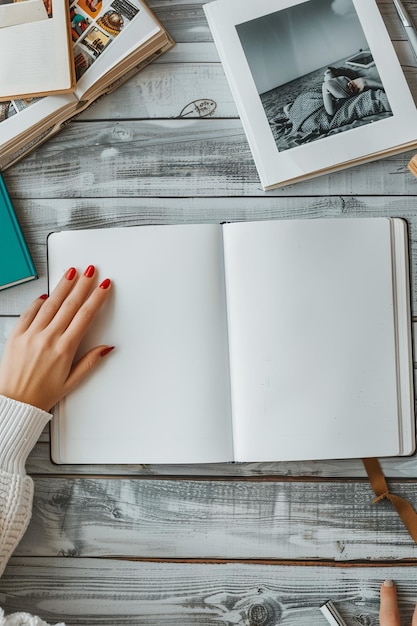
column 317, row 84
column 256, row 341
column 111, row 41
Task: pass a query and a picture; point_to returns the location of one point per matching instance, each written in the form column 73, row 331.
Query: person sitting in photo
column 342, row 99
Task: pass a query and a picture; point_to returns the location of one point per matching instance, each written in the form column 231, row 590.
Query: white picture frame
column 240, row 27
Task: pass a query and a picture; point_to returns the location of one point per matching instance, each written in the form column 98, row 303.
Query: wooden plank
column 184, row 19
column 151, row 158
column 93, row 591
column 176, row 158
column 392, row 20
column 259, row 519
column 164, row 91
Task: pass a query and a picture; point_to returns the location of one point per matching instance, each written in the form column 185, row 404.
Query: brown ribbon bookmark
column 380, row 487
column 412, row 166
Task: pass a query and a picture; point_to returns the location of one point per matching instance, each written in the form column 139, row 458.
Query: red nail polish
column 106, row 351
column 105, row 284
column 44, row 296
column 89, row 272
column 70, row 275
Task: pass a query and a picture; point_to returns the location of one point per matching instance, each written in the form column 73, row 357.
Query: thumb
column 389, row 614
column 414, row 622
column 82, row 368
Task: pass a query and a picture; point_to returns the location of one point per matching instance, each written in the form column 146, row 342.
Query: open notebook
column 254, row 341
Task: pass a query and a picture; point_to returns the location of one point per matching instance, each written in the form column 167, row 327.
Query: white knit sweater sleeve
column 20, row 427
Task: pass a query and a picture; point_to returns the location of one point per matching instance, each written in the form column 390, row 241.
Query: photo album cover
column 317, row 84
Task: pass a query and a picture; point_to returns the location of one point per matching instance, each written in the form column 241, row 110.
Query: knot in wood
column 259, row 608
column 258, row 615
column 121, row 133
column 263, row 612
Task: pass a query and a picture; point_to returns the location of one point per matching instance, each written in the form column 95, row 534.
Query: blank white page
column 312, row 339
column 163, row 395
column 41, row 59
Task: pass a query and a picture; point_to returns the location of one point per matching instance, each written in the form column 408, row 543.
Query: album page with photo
column 317, row 84
column 111, row 41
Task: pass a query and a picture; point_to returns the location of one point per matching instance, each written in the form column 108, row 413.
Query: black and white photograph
column 314, row 71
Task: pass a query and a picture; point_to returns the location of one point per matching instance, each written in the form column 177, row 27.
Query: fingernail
column 43, row 296
column 70, row 275
column 106, row 350
column 89, row 272
column 388, row 583
column 105, row 284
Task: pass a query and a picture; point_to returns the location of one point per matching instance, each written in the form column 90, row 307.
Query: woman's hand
column 360, row 84
column 38, row 362
column 357, row 85
column 389, row 614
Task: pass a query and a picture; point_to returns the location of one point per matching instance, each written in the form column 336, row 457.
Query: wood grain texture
column 97, row 516
column 176, row 158
column 93, row 591
column 128, row 161
column 163, row 90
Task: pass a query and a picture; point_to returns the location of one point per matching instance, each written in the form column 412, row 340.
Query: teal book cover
column 16, row 265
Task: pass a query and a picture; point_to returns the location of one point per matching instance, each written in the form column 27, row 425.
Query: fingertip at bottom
column 106, row 351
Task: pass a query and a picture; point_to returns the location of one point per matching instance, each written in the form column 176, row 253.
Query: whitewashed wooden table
column 252, row 544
